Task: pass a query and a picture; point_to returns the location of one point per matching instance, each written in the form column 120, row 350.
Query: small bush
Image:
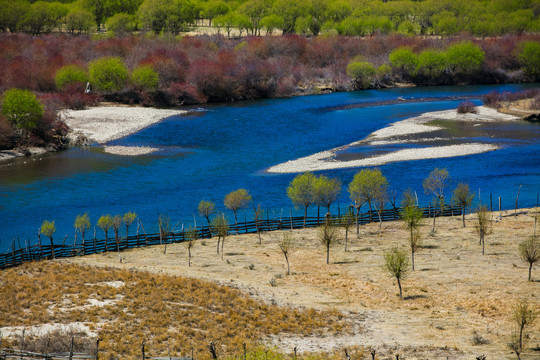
column 145, row 78
column 22, row 109
column 467, row 107
column 108, row 74
column 73, row 76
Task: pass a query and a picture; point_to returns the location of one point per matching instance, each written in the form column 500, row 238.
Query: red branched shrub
column 466, row 107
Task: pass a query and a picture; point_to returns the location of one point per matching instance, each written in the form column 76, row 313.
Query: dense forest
column 306, row 17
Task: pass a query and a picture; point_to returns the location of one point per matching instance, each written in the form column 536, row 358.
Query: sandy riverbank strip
column 106, row 123
column 393, row 134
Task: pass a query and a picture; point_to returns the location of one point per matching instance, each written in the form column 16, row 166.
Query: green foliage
column 105, row 222
column 108, row 74
column 529, row 57
column 44, row 16
column 522, row 316
column 328, row 235
column 206, row 208
column 287, row 244
column 272, row 22
column 236, row 200
column 22, row 109
column 404, row 59
column 121, row 23
column 431, row 63
column 220, row 225
column 48, row 228
column 301, row 191
column 326, row 190
column 361, row 73
column 463, row 197
column 145, row 78
column 366, row 185
column 397, row 264
column 167, row 15
column 464, row 58
column 13, row 14
column 78, row 21
column 82, row 223
column 70, row 75
column 529, row 251
column 483, row 224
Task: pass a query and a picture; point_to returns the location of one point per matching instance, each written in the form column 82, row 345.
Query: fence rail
column 23, row 254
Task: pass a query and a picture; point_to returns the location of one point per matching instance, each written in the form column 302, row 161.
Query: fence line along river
column 207, row 154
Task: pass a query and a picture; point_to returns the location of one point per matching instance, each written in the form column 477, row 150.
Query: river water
column 220, row 148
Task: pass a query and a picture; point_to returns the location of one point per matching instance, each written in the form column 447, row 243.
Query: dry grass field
column 457, row 303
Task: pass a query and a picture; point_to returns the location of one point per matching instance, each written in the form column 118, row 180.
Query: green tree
column 287, row 244
column 22, row 109
column 153, row 14
column 405, row 60
column 412, row 217
column 214, row 8
column 289, row 11
column 236, row 200
column 483, row 225
column 78, row 21
column 464, row 58
column 255, row 10
column 328, row 235
column 144, row 77
column 272, row 22
column 366, row 185
column 98, row 8
column 397, row 264
column 529, row 250
column 326, row 191
column 121, row 23
column 529, row 57
column 431, row 63
column 105, row 223
column 435, row 184
column 71, row 75
column 463, row 197
column 48, row 229
column 82, row 223
column 128, row 219
column 13, row 14
column 361, row 74
column 108, row 74
column 301, row 191
column 206, row 209
column 220, row 226
column 522, row 316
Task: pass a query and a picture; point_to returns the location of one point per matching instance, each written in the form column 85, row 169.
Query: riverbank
column 422, row 131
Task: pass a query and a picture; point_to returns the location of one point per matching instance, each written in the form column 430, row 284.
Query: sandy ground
column 454, row 293
column 105, row 123
column 417, row 125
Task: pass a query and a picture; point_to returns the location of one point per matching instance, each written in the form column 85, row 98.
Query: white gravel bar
column 106, row 123
column 130, row 150
column 325, row 160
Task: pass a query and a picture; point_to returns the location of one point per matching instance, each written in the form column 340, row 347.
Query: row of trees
column 481, row 18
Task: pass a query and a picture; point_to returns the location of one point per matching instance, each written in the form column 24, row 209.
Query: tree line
column 346, row 17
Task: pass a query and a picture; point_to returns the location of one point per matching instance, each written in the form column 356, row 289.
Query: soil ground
column 457, row 303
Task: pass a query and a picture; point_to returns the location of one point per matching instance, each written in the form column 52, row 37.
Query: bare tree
column 529, row 250
column 346, row 221
column 435, row 184
column 483, row 224
column 463, row 197
column 286, row 245
column 259, row 213
column 116, row 223
column 380, row 200
column 206, row 209
column 522, row 316
column 191, row 235
column 397, row 264
column 301, row 191
column 220, row 225
column 164, row 224
column 236, row 200
column 412, row 217
column 329, row 235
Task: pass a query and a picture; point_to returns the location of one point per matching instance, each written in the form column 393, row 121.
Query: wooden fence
column 21, row 254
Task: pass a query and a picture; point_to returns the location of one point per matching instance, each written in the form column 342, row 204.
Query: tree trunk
column 346, row 238
column 433, row 228
column 189, row 256
column 287, row 260
column 530, row 269
column 52, row 248
column 412, row 256
column 463, row 216
column 357, row 225
column 328, row 254
column 222, row 243
column 235, row 222
column 482, row 238
column 305, row 215
column 400, row 293
column 218, row 239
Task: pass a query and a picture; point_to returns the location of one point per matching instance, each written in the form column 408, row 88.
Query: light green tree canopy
column 301, row 191
column 78, row 21
column 326, row 191
column 236, row 200
column 361, row 74
column 464, row 197
column 464, row 58
column 108, row 74
column 82, row 223
column 431, row 62
column 404, row 59
column 144, row 77
column 397, row 264
column 70, row 75
column 22, row 109
column 529, row 57
column 366, row 185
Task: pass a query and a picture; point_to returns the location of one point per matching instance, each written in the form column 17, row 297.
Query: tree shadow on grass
column 414, row 297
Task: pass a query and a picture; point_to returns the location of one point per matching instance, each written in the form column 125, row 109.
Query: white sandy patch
column 129, row 150
column 44, row 329
column 325, row 160
column 106, row 123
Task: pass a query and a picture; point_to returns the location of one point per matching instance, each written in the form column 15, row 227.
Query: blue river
column 220, row 148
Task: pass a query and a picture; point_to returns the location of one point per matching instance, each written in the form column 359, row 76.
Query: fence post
column 142, row 350
column 245, row 220
column 291, row 220
column 71, row 348
column 500, row 212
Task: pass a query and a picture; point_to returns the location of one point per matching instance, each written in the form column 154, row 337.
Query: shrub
column 529, row 57
column 71, row 75
column 404, row 59
column 361, row 74
column 464, row 58
column 22, row 109
column 108, row 74
column 120, row 24
column 145, row 78
column 467, row 107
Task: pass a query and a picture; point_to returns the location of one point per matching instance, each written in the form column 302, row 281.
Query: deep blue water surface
column 209, row 153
